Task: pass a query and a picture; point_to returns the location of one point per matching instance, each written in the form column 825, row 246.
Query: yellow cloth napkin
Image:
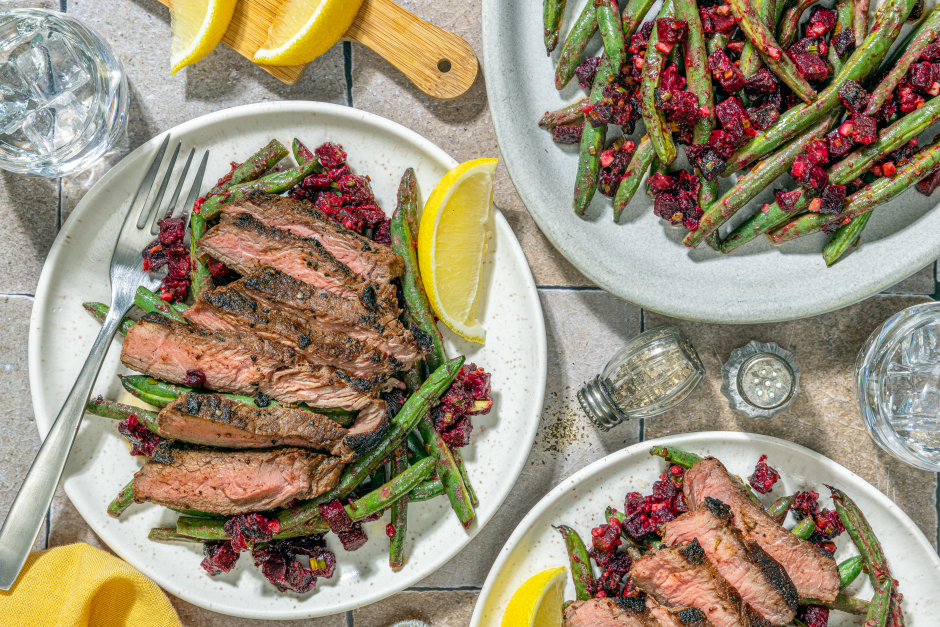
column 81, row 586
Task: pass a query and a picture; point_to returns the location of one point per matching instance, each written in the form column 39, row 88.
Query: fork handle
column 26, row 516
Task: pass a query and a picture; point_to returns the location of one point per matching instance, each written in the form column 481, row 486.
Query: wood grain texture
column 248, row 30
column 420, row 50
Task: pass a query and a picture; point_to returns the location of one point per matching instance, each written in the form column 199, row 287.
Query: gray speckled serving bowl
column 61, row 334
column 642, row 259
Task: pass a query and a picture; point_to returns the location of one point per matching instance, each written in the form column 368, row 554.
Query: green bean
column 845, row 236
column 118, row 411
column 633, row 15
column 849, row 570
column 718, row 41
column 411, row 283
column 860, row 20
column 552, row 15
column 100, row 311
column 151, row 303
column 750, row 60
column 880, row 605
column 844, row 9
column 570, row 58
column 862, row 535
column 569, row 114
column 592, row 143
column 462, row 468
column 122, row 501
column 779, row 508
column 302, row 154
column 805, row 528
column 581, row 571
column 611, row 28
column 158, row 534
column 427, row 490
column 406, row 420
column 636, row 170
column 415, row 445
column 447, row 471
column 675, row 456
column 790, row 24
column 274, row 183
column 199, row 514
column 253, row 167
column 396, row 551
column 201, row 277
column 843, row 603
column 654, row 119
column 927, row 34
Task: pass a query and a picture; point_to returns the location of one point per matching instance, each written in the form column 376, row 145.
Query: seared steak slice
column 246, row 245
column 813, row 571
column 372, row 261
column 213, row 420
column 762, row 583
column 235, row 482
column 682, row 576
column 618, row 612
column 232, row 308
column 675, row 617
column 241, row 363
column 370, row 428
column 379, row 327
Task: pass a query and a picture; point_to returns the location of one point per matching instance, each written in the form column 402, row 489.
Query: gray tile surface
column 921, row 282
column 437, row 608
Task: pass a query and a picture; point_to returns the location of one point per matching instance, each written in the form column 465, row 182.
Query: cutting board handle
column 440, row 63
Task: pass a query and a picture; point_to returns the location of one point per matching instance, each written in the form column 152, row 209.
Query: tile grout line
column 572, row 288
column 349, row 618
column 29, row 296
column 443, row 589
column 937, row 499
column 347, row 67
column 642, row 433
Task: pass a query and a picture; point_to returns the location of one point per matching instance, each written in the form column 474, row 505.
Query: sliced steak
column 372, row 261
column 235, row 482
column 682, row 576
column 762, row 582
column 813, row 571
column 246, row 245
column 378, row 327
column 213, row 420
column 370, row 428
column 240, row 363
column 232, row 308
column 617, row 612
column 675, row 617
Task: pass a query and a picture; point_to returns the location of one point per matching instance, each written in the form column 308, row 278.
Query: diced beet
column 799, row 170
column 331, row 155
column 250, row 529
column 843, row 42
column 929, row 183
column 671, row 79
column 688, row 183
column 814, row 615
column 664, row 99
column 724, row 23
column 909, row 100
column 672, row 31
column 667, row 207
column 853, row 96
column 143, row 441
column 813, row 67
column 821, row 22
column 864, row 128
column 787, row 200
column 353, row 538
column 832, row 198
column 725, row 72
column 567, row 133
column 586, row 71
column 660, row 183
column 763, row 117
column 817, row 178
column 807, row 45
column 818, row 152
column 722, row 143
column 839, row 146
column 763, row 82
column 711, row 164
column 685, row 109
column 458, row 435
column 219, row 557
column 708, row 27
column 334, row 513
column 922, row 76
column 932, row 52
column 730, row 112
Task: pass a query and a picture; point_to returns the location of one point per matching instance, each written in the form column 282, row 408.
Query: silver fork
column 26, row 516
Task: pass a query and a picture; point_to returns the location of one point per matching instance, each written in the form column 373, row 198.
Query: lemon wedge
column 451, row 244
column 304, row 29
column 537, row 602
column 197, row 27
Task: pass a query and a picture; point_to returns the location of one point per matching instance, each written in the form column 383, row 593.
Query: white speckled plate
column 580, row 501
column 642, row 259
column 61, row 334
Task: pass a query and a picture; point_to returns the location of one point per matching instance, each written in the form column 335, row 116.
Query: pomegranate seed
column 888, row 169
column 845, row 129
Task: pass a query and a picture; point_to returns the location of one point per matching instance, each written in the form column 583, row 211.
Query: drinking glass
column 63, row 94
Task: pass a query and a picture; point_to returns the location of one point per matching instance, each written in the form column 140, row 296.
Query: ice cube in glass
column 14, row 98
column 51, row 67
column 56, row 124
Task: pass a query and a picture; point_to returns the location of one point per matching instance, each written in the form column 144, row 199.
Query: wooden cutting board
column 439, row 62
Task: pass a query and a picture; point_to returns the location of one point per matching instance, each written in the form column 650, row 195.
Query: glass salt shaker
column 653, row 373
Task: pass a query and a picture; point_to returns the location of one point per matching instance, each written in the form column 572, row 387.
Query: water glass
column 63, row 94
column 897, row 386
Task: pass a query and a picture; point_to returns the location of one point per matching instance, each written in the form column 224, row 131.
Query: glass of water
column 897, row 386
column 63, row 94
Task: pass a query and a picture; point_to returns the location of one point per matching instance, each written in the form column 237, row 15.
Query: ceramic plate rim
column 43, row 294
column 685, row 440
column 500, row 87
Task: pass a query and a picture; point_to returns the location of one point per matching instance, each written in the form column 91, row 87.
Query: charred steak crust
column 235, row 482
column 378, row 327
column 246, row 244
column 692, row 617
column 372, row 261
column 608, row 612
column 241, row 363
column 773, row 573
column 718, row 509
column 631, row 604
column 371, row 427
column 814, row 572
column 213, row 420
column 693, row 552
